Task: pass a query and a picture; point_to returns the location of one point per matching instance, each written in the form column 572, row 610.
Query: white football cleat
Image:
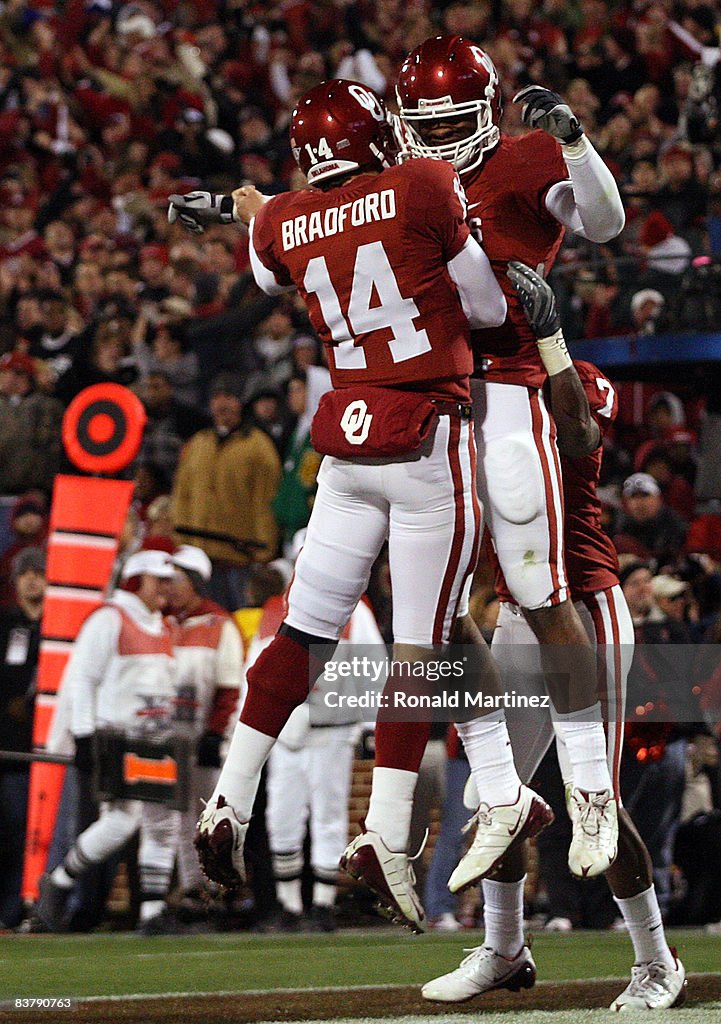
column 653, row 986
column 594, row 845
column 219, row 840
column 389, row 875
column 498, row 830
column 483, row 970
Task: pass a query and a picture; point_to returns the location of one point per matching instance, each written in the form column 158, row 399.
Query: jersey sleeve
column 541, row 165
column 269, row 271
column 439, row 202
column 602, row 395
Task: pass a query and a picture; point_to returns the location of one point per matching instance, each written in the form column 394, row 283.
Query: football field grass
column 126, row 964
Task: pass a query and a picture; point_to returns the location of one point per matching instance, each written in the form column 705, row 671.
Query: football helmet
column 450, row 77
column 339, row 126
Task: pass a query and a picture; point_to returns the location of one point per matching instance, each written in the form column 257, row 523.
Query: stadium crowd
column 107, row 108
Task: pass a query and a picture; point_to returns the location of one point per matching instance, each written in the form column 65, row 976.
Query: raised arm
column 589, row 203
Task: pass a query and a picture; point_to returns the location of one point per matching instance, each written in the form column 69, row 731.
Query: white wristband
column 554, row 354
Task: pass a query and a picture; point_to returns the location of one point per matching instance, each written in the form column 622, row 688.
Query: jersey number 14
column 372, row 270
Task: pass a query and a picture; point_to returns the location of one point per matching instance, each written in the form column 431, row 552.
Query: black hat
column 28, row 559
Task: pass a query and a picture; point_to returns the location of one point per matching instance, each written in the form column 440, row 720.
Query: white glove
column 196, row 210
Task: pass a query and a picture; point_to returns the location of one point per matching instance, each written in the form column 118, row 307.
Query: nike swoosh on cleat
column 512, row 831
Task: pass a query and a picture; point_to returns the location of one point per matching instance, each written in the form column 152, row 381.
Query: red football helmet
column 445, row 77
column 339, row 126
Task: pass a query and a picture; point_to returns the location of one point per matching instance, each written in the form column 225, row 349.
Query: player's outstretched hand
column 196, row 210
column 547, row 110
column 536, row 295
column 248, row 200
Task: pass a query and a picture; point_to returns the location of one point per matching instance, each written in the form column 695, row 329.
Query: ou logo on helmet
column 356, row 422
column 368, row 100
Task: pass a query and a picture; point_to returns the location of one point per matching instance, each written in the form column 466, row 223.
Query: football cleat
column 52, row 905
column 483, row 970
column 219, row 840
column 594, row 845
column 389, row 875
column 653, row 986
column 498, row 830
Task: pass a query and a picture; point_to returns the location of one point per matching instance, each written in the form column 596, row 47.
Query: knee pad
column 514, row 479
column 529, row 579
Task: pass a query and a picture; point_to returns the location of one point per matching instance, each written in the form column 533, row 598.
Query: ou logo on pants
column 356, row 422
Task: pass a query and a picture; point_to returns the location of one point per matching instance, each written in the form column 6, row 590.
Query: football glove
column 196, row 210
column 547, row 110
column 537, row 298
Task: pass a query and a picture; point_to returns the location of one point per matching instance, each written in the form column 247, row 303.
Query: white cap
column 646, row 295
column 640, row 483
column 189, row 557
column 149, row 563
column 668, row 586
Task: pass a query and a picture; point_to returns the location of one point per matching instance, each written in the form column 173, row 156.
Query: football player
column 391, row 276
column 583, row 407
column 522, row 193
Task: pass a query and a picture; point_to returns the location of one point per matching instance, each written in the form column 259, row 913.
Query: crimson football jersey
column 369, row 259
column 507, row 214
column 591, row 561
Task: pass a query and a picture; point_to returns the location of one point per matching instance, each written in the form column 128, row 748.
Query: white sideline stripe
column 135, row 997
column 247, row 992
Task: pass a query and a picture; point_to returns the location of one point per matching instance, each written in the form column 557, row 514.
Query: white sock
column 490, row 757
column 503, row 916
column 289, row 895
column 323, row 894
column 391, row 806
column 151, row 908
column 582, row 732
column 645, row 926
column 61, row 878
column 240, row 776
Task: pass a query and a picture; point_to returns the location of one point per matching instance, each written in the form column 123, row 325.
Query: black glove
column 84, row 757
column 547, row 110
column 208, row 750
column 536, row 295
column 196, row 210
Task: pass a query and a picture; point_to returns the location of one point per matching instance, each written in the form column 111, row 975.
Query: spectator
column 150, row 483
column 273, row 344
column 677, row 491
column 647, row 527
column 652, row 765
column 646, row 310
column 170, row 422
column 30, row 445
column 163, row 349
column 55, row 341
column 294, row 500
column 667, row 254
column 209, row 661
column 681, row 197
column 122, row 664
column 671, row 596
column 265, row 407
column 29, row 524
column 225, row 483
column 19, row 647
